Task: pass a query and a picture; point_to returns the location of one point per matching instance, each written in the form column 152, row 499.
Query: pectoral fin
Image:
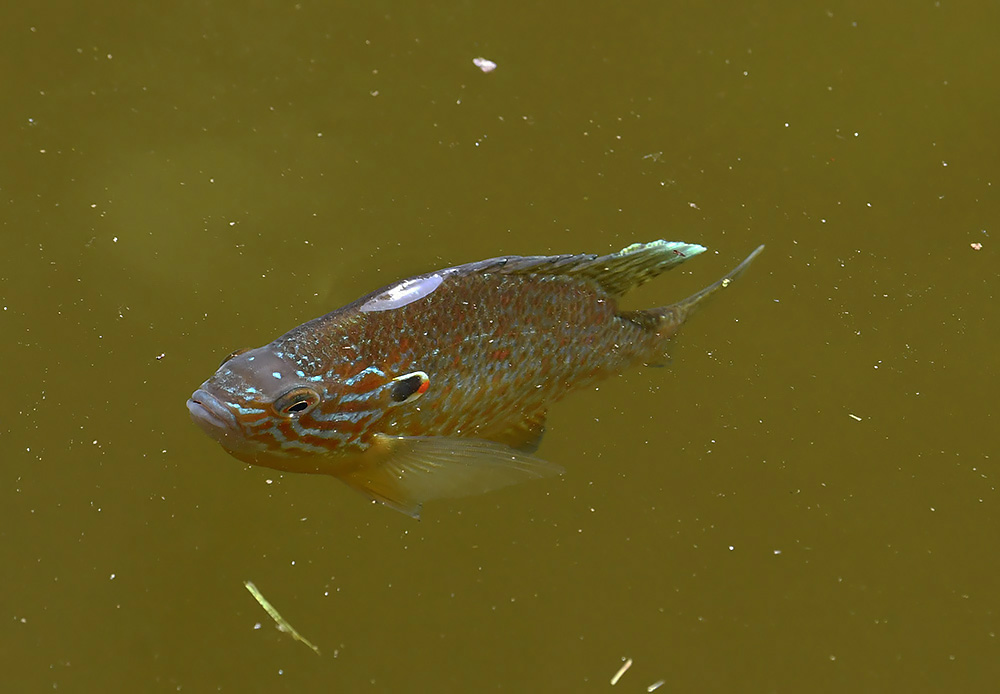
column 406, row 471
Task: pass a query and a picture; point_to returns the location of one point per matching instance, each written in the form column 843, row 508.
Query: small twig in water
column 282, row 623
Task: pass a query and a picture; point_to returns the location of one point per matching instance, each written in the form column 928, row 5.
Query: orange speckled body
column 495, row 347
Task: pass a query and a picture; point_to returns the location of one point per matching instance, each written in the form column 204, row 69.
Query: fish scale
column 438, row 385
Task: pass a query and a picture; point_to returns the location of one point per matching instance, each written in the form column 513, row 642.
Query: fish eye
column 296, row 402
column 409, row 387
column 234, row 353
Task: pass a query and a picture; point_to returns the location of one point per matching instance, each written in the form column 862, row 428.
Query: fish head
column 260, row 407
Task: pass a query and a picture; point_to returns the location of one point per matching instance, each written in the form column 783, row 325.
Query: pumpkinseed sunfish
column 437, row 386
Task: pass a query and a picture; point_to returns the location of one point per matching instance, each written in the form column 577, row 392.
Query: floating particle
column 621, row 671
column 484, row 64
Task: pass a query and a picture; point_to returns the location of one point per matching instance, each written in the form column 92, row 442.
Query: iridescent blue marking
column 351, row 397
column 352, row 417
column 320, row 433
column 267, row 428
column 370, row 370
column 303, row 446
column 276, row 374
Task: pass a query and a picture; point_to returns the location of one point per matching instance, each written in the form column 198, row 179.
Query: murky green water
column 805, row 501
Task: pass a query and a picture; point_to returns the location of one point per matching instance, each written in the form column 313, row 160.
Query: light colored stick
column 282, row 623
column 621, row 671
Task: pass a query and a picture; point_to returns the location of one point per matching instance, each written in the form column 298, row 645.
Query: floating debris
column 484, row 64
column 855, row 417
column 655, row 685
column 282, row 623
column 976, row 246
column 621, row 671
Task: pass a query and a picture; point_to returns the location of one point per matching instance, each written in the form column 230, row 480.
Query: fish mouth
column 220, row 423
column 211, row 415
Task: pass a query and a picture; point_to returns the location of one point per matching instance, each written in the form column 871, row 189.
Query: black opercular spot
column 404, row 389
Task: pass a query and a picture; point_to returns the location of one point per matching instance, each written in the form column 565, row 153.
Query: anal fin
column 525, row 434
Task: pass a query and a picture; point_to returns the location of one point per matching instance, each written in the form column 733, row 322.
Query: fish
column 438, row 386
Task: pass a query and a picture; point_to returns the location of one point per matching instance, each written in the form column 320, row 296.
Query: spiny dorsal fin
column 615, row 273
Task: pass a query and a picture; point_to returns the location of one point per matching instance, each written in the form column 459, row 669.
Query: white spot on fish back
column 406, row 292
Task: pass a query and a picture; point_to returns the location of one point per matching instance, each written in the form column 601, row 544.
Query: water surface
column 805, row 500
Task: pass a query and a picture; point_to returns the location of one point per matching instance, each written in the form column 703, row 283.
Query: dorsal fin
column 615, row 273
column 633, row 265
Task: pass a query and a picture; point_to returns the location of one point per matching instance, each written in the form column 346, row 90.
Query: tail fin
column 666, row 320
column 685, row 307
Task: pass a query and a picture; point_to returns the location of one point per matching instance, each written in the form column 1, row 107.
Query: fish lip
column 210, row 414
